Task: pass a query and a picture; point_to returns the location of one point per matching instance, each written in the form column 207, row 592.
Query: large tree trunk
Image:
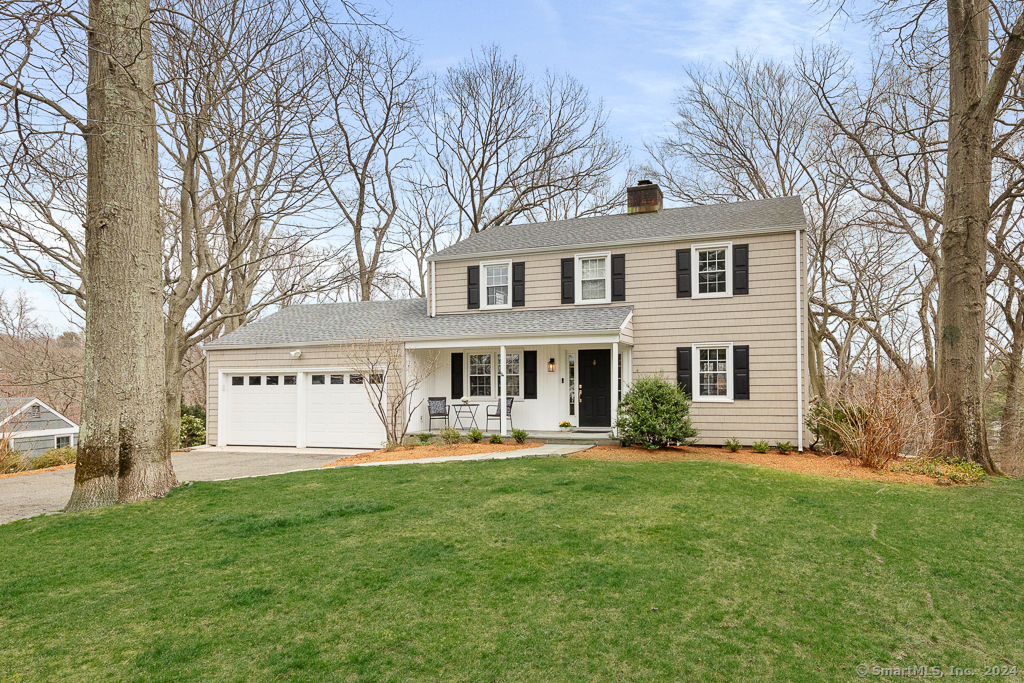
column 961, row 311
column 123, row 453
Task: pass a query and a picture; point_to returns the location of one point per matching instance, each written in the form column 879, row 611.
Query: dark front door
column 596, row 388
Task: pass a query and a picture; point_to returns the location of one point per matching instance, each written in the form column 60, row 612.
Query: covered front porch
column 572, row 378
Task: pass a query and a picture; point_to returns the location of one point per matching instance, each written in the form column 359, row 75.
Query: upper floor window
column 594, row 282
column 496, row 282
column 712, row 271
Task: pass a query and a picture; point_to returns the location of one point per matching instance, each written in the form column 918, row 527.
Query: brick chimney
column 645, row 197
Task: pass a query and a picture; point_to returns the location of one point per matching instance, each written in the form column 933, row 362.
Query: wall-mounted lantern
column 551, row 365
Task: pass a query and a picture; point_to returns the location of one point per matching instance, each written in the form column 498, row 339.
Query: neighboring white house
column 559, row 317
column 32, row 427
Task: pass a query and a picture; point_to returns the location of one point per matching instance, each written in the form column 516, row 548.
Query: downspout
column 433, row 293
column 799, row 354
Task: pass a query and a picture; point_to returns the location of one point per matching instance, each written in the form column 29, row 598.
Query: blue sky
column 629, row 54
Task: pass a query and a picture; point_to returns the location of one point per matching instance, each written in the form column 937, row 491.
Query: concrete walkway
column 547, row 450
column 34, row 494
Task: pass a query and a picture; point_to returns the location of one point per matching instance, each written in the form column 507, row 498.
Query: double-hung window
column 497, row 287
column 712, row 270
column 511, row 374
column 712, row 372
column 480, row 374
column 594, row 283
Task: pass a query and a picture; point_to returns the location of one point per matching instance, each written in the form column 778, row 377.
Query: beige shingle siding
column 313, row 357
column 765, row 319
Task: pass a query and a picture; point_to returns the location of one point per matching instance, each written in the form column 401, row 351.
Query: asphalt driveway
column 47, row 491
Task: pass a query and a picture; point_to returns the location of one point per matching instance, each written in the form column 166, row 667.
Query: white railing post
column 615, row 387
column 501, row 391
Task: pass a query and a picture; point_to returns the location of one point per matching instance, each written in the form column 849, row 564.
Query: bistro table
column 464, row 411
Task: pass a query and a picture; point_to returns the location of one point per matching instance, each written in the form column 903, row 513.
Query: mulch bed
column 805, row 463
column 44, row 469
column 432, row 451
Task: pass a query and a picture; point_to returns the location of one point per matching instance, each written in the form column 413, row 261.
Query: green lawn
column 525, row 570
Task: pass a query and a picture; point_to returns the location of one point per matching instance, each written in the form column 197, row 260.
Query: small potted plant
column 465, row 400
column 564, row 425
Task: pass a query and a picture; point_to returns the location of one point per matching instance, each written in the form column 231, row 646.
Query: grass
column 536, row 569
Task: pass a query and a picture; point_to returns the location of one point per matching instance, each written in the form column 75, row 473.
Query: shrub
column 193, row 431
column 760, row 446
column 654, row 413
column 475, row 435
column 196, row 411
column 450, row 435
column 12, row 461
column 880, row 416
column 496, row 438
column 945, row 470
column 55, row 457
column 520, row 435
column 564, row 424
column 732, row 444
column 424, row 438
column 783, row 447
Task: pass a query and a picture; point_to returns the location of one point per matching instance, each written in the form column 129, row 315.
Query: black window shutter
column 529, row 374
column 618, row 277
column 741, row 372
column 740, row 271
column 568, row 281
column 684, row 369
column 682, row 273
column 456, row 376
column 473, row 287
column 519, row 283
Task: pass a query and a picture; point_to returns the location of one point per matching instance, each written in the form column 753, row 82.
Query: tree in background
column 507, row 148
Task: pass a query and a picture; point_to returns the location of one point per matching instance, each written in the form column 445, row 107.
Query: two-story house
column 560, row 317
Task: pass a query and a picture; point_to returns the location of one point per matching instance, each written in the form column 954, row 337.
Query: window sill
column 711, row 399
column 720, row 295
column 497, row 307
column 596, row 302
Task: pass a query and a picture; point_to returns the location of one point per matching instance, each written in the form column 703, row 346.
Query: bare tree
column 363, row 142
column 507, row 147
column 36, row 361
column 425, row 226
column 392, row 378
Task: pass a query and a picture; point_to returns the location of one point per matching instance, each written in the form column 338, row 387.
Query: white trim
column 771, row 230
column 607, row 256
column 695, row 373
column 301, row 418
column 483, row 285
column 615, row 387
column 521, row 339
column 695, row 275
column 36, row 433
column 799, row 354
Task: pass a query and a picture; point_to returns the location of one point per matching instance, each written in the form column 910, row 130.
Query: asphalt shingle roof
column 407, row 319
column 695, row 221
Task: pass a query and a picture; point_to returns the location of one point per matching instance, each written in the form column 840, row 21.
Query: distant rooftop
column 763, row 215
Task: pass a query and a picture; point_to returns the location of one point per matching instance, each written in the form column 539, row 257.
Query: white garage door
column 262, row 410
column 339, row 413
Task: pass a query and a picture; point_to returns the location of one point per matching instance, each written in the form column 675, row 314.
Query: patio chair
column 437, row 407
column 494, row 412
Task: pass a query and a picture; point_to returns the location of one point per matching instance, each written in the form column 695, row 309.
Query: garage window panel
column 237, row 381
column 255, row 380
column 272, row 380
column 318, row 379
column 290, row 380
column 376, row 378
column 337, row 379
column 355, row 379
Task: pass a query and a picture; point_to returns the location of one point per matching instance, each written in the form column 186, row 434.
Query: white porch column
column 300, row 410
column 501, row 390
column 615, row 387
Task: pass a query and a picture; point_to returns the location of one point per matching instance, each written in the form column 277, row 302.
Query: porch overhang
column 540, row 339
